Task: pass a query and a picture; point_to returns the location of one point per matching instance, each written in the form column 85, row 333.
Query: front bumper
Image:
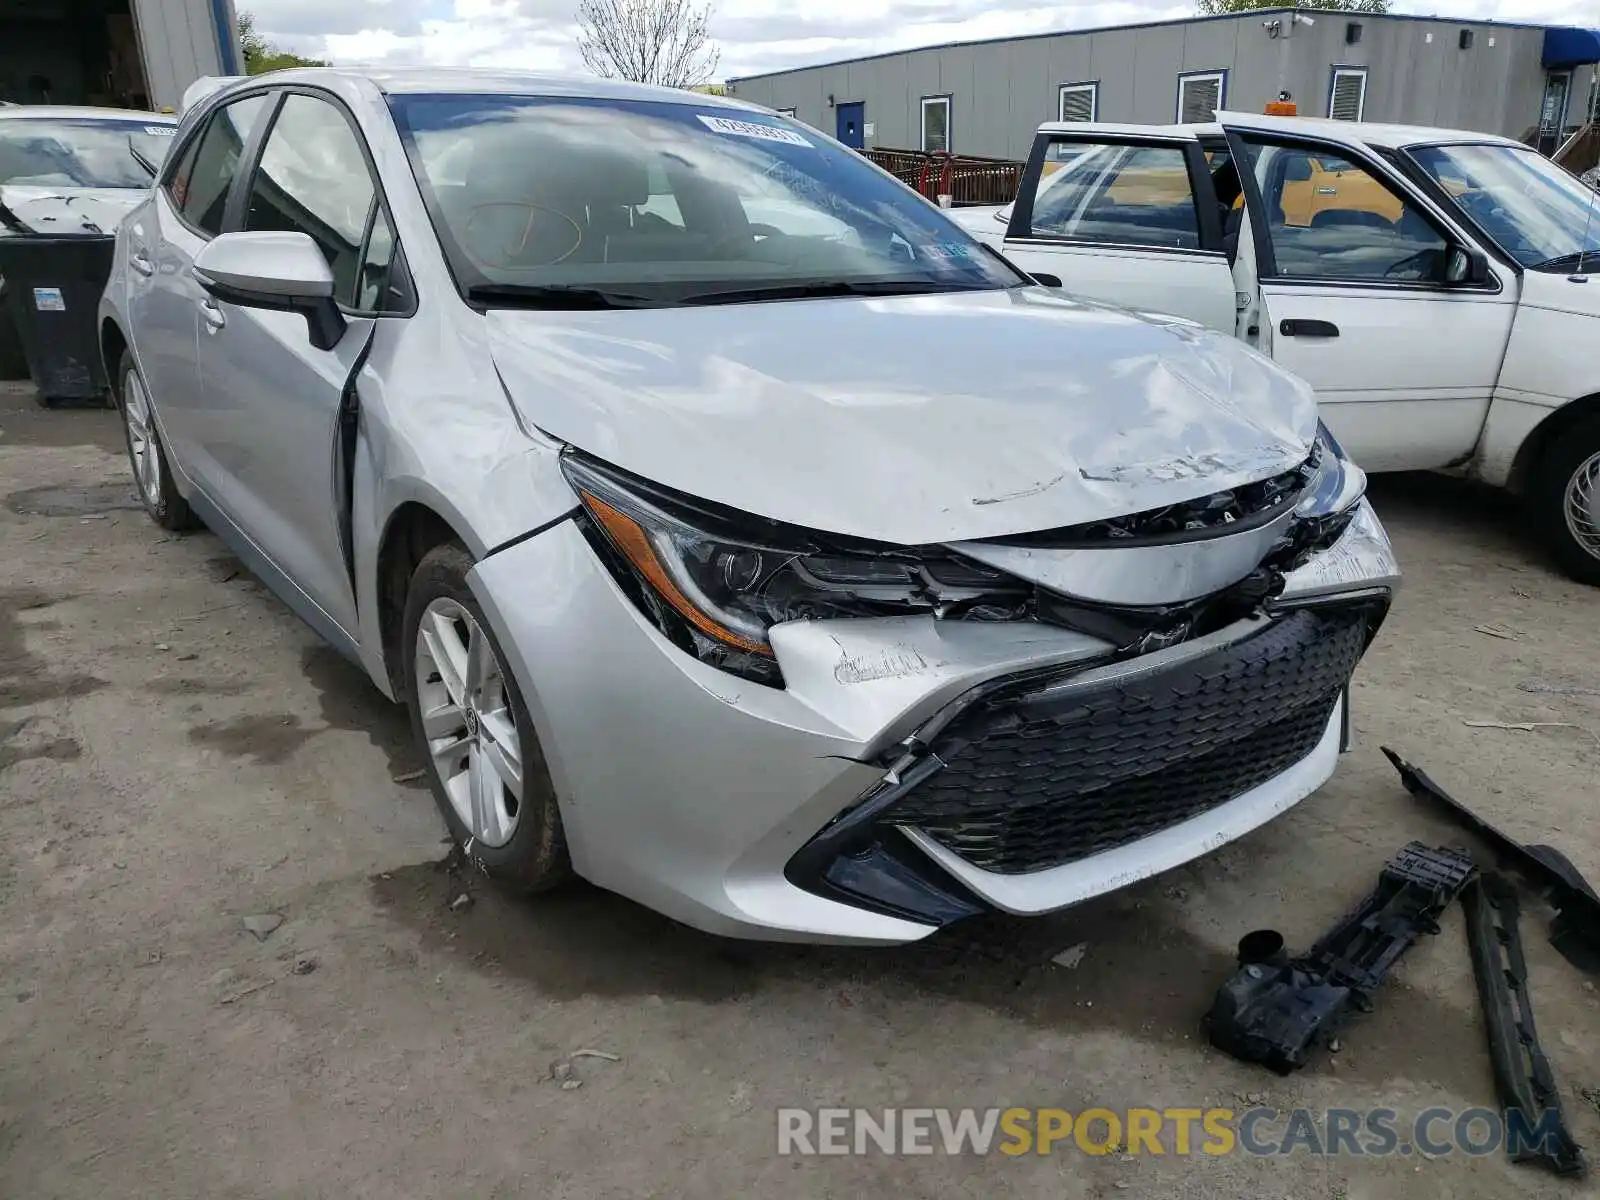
column 707, row 797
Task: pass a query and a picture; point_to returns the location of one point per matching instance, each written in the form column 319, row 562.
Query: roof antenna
column 1577, row 275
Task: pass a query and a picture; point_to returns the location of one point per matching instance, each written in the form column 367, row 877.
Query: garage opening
column 70, row 52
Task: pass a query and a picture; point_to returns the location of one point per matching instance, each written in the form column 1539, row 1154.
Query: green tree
column 261, row 56
column 1216, row 8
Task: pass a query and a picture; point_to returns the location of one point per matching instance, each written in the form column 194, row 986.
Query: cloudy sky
column 755, row 35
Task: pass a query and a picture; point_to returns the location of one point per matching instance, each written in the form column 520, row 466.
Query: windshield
column 1538, row 213
column 537, row 199
column 81, row 151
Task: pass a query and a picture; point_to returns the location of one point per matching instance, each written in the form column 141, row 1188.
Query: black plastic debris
column 1536, row 1126
column 1276, row 1010
column 1575, row 932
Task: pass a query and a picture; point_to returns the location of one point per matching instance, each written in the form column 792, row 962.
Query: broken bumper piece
column 1575, row 932
column 1277, row 1010
column 1522, row 1075
column 912, row 770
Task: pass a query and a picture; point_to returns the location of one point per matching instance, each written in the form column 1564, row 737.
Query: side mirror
column 1465, row 266
column 1045, row 280
column 284, row 272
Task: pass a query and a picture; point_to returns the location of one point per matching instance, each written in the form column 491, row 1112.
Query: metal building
column 987, row 98
column 128, row 53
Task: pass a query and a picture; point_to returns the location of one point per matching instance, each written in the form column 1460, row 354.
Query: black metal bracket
column 1575, row 932
column 1276, row 1010
column 1522, row 1075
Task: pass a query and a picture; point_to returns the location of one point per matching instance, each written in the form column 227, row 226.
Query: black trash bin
column 53, row 287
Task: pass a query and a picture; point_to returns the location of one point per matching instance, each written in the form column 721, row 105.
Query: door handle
column 141, row 263
column 212, row 315
column 1291, row 327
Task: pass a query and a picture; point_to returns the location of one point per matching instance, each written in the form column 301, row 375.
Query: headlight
column 1337, row 483
column 1325, row 506
column 714, row 581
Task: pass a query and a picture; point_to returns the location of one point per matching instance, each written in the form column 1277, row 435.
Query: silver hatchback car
column 742, row 535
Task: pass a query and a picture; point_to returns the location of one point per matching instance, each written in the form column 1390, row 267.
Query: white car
column 1435, row 287
column 71, row 171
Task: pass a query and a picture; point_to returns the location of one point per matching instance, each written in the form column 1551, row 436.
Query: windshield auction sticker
column 750, row 129
column 48, row 299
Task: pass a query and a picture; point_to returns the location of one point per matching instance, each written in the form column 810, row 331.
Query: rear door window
column 199, row 184
column 1116, row 193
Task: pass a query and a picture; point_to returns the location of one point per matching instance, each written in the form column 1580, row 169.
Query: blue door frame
column 851, row 124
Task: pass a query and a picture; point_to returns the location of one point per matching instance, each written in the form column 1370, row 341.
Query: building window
column 936, row 124
column 1079, row 102
column 1347, row 94
column 1200, row 95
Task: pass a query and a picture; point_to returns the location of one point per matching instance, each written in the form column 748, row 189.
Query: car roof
column 1355, row 133
column 79, row 112
column 1124, row 128
column 481, row 81
column 1360, row 133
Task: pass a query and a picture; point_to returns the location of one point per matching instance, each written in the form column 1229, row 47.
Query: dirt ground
column 178, row 753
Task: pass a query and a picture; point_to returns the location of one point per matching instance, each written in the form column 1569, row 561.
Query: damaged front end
column 1144, row 689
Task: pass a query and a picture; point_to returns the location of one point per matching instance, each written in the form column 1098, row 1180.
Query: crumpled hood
column 69, row 210
column 910, row 419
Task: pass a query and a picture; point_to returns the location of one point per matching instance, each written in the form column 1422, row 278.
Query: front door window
column 1328, row 218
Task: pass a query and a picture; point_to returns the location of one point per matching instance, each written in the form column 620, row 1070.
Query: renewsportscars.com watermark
column 1259, row 1131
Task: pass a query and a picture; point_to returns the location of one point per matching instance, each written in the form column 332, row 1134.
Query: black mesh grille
column 1034, row 780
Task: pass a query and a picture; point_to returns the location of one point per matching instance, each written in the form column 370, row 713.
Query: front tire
column 1565, row 497
column 146, row 455
column 484, row 761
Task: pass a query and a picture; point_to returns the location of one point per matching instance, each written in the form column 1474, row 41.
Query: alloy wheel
column 142, row 439
column 1582, row 505
column 468, row 722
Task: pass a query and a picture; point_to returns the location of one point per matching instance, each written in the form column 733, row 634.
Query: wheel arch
column 413, row 528
column 1545, row 435
column 113, row 345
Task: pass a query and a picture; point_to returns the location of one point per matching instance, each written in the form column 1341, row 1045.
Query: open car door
column 1374, row 296
column 1127, row 215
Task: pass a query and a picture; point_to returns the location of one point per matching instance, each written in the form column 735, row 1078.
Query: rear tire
column 152, row 476
column 1564, row 495
column 484, row 761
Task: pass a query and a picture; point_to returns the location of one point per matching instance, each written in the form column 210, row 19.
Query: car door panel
column 1199, row 287
column 272, row 424
column 1351, row 297
column 272, row 400
column 187, row 209
column 1124, row 219
column 162, row 294
column 1406, row 383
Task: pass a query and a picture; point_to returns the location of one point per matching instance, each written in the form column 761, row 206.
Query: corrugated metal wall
column 1001, row 91
column 183, row 40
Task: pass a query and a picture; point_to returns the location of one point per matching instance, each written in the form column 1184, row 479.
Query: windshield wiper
column 529, row 295
column 143, row 159
column 822, row 289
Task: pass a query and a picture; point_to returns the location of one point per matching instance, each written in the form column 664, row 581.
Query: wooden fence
column 967, row 179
